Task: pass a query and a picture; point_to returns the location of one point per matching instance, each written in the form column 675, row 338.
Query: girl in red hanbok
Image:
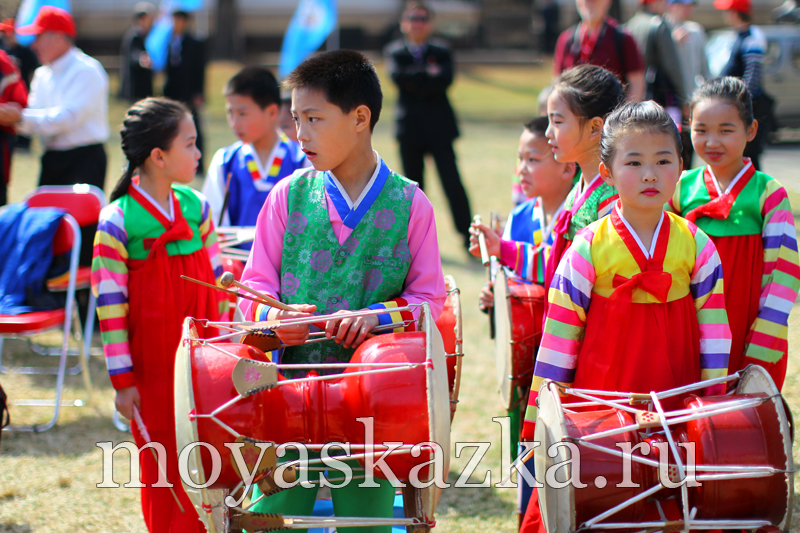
column 748, row 216
column 636, row 304
column 154, row 230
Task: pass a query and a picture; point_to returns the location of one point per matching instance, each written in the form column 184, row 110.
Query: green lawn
column 47, row 481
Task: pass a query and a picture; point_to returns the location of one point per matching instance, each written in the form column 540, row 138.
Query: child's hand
column 492, row 240
column 292, row 335
column 125, row 400
column 486, row 298
column 351, row 331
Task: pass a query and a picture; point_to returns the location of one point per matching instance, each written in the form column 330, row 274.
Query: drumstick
column 143, row 430
column 487, row 263
column 227, row 280
column 482, row 242
column 240, row 295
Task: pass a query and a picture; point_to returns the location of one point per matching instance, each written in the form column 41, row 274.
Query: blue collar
column 351, row 217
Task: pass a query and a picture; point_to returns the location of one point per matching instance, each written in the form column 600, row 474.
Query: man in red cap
column 68, row 104
column 747, row 62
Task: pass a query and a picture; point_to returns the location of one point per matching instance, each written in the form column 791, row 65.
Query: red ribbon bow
column 718, row 208
column 656, row 282
column 562, row 222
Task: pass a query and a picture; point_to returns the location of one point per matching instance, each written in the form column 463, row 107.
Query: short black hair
column 635, row 118
column 181, row 14
column 346, row 77
column 537, row 126
column 256, row 82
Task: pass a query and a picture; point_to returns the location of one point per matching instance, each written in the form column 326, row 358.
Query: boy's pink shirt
column 424, row 282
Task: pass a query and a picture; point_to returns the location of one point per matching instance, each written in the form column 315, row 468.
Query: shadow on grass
column 67, row 438
column 474, row 501
column 8, row 527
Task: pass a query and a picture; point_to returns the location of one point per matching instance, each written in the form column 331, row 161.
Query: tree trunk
column 228, row 40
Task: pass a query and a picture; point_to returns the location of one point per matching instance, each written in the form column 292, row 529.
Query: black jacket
column 186, row 76
column 423, row 113
column 136, row 81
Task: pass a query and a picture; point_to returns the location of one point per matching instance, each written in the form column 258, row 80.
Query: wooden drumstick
column 228, row 280
column 487, row 263
column 482, row 242
column 235, row 293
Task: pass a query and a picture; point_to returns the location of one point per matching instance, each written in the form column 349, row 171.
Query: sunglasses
column 421, row 18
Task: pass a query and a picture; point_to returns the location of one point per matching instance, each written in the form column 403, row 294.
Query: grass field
column 47, row 481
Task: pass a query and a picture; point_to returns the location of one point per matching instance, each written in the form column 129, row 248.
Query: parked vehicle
column 781, row 67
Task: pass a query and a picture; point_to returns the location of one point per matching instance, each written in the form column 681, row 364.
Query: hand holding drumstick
column 350, row 332
column 491, row 238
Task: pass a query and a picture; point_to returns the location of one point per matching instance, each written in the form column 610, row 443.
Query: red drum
column 518, row 315
column 408, row 406
column 739, row 444
column 449, row 325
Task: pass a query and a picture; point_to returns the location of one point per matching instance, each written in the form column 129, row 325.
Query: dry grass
column 47, row 481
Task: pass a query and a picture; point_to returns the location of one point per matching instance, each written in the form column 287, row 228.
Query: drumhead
column 556, row 505
column 502, row 338
column 755, row 379
column 186, row 433
column 438, row 407
column 454, row 297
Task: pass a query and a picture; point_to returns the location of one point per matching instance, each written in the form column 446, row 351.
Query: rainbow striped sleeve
column 606, row 205
column 569, row 298
column 110, row 286
column 526, row 260
column 709, row 301
column 209, row 238
column 395, row 316
column 767, row 341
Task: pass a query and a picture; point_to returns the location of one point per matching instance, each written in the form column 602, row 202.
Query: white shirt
column 68, row 103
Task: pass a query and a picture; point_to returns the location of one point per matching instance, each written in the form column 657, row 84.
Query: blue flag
column 27, row 12
column 157, row 42
column 311, row 24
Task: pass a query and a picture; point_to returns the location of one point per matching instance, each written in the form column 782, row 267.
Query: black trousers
column 85, row 164
column 413, row 157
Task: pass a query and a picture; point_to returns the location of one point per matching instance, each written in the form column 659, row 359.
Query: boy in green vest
column 345, row 235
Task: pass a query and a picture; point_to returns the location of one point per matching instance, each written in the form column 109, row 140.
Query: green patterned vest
column 370, row 267
column 587, row 213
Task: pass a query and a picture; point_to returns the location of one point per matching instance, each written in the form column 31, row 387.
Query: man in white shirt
column 68, row 103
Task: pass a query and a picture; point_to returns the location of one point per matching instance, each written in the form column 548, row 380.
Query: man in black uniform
column 426, row 123
column 186, row 73
column 136, row 73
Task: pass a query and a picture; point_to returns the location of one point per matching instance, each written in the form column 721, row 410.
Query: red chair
column 67, row 238
column 84, row 202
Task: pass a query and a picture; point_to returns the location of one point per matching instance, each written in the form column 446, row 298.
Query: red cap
column 50, row 18
column 743, row 6
column 7, row 25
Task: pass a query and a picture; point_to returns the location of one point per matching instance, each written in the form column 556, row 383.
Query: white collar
column 732, row 184
column 648, row 254
column 171, row 215
column 370, row 183
column 61, row 64
column 262, row 168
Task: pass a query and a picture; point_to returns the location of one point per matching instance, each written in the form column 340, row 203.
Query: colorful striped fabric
column 768, row 337
column 762, row 206
column 588, row 268
column 112, row 251
column 527, row 240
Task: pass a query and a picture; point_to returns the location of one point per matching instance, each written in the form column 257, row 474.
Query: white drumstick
column 143, row 430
